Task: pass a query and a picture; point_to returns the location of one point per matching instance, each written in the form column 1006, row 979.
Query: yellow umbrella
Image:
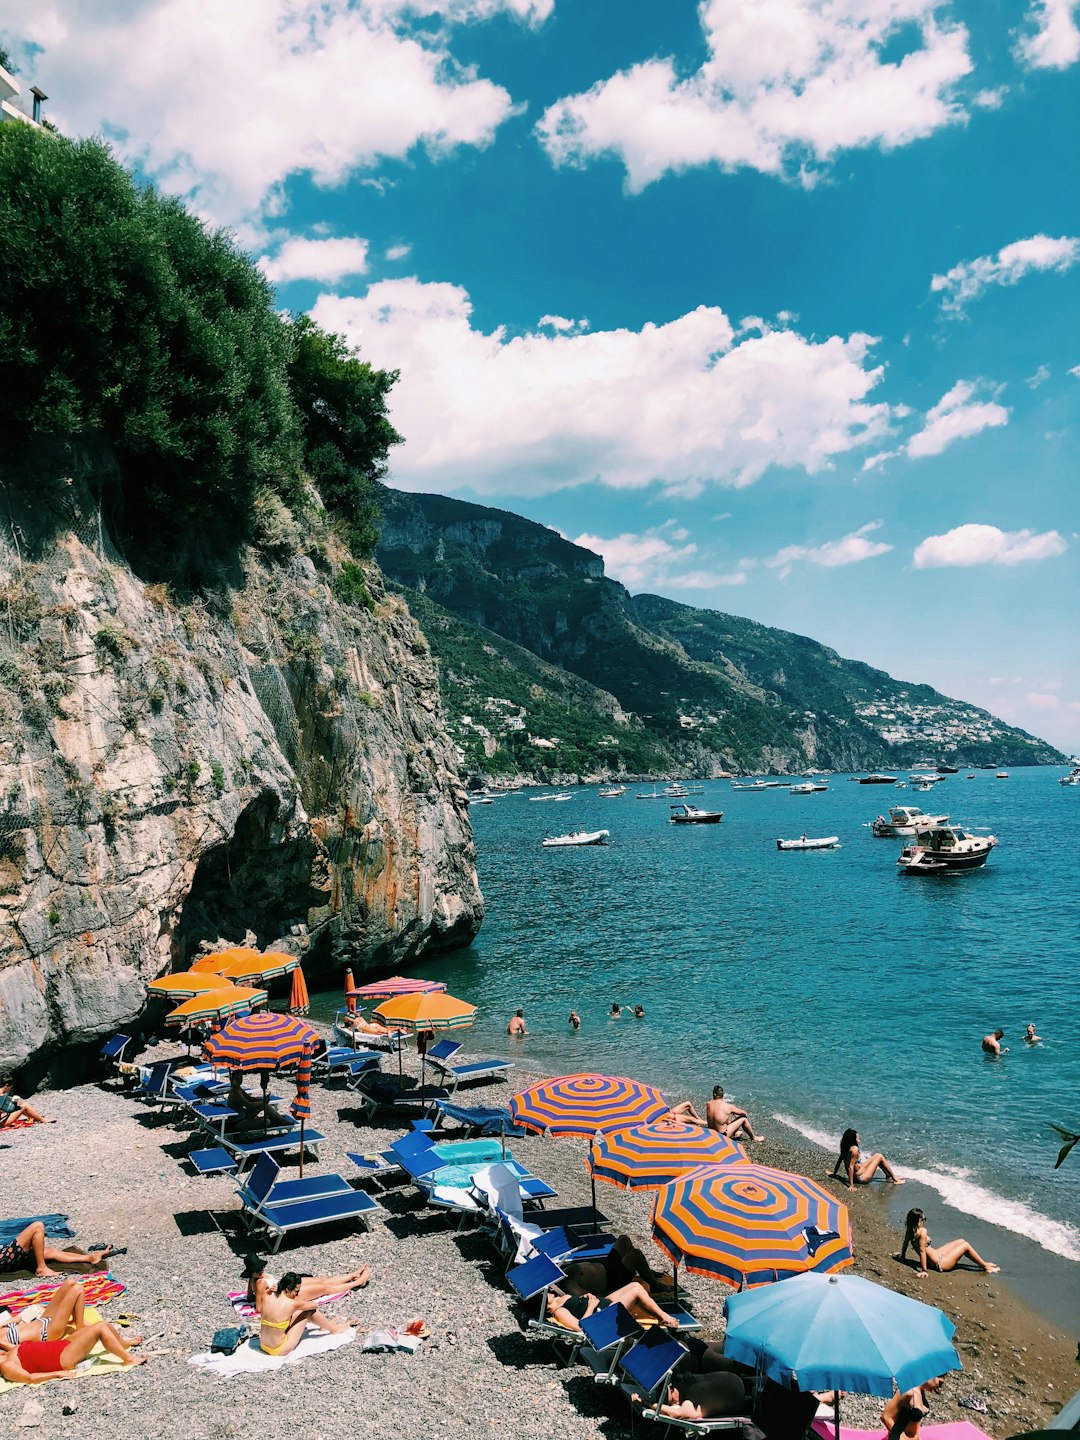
column 183, row 985
column 225, row 1000
column 432, row 1010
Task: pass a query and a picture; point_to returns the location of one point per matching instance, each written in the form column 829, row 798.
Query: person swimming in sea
column 574, row 1020
column 517, row 1024
column 615, row 1013
column 1030, row 1038
column 639, row 1012
column 991, row 1043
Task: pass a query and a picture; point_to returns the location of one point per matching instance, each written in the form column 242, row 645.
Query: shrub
column 111, row 640
column 350, row 586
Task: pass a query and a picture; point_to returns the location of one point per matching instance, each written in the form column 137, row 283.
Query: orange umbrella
column 259, row 968
column 225, row 1000
column 298, row 1000
column 184, row 986
column 220, row 961
column 433, row 1010
column 350, row 985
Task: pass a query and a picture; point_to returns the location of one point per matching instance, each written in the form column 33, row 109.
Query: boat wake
column 958, row 1190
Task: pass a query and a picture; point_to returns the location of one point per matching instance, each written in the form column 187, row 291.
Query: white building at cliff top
column 9, row 90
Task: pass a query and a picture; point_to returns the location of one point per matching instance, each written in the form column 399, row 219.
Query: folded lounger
column 279, row 1219
column 479, row 1119
column 646, row 1369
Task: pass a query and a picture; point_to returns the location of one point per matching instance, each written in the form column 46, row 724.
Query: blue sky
column 773, row 301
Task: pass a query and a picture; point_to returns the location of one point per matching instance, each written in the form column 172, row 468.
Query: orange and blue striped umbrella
column 260, row 1042
column 648, row 1156
column 301, row 1104
column 185, row 986
column 750, row 1224
column 583, row 1104
column 431, row 1010
column 225, row 1000
column 257, row 969
column 394, row 985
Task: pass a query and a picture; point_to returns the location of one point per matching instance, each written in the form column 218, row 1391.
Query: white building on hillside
column 10, row 89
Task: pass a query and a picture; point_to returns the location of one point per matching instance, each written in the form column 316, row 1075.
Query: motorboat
column 949, row 769
column 653, row 794
column 691, row 815
column 904, row 820
column 925, row 777
column 953, row 847
column 612, row 792
column 971, row 777
column 1073, row 777
column 560, row 795
column 806, row 788
column 480, row 800
column 754, row 786
column 1001, row 775
column 676, row 791
column 805, row 842
column 579, row 837
column 876, row 779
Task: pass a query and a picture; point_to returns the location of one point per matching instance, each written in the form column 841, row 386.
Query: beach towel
column 20, row 1122
column 955, row 1430
column 239, row 1302
column 55, row 1225
column 100, row 1288
column 250, row 1360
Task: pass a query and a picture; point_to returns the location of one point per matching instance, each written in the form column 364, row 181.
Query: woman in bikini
column 569, row 1310
column 907, row 1409
column 284, row 1319
column 32, row 1361
column 944, row 1257
column 66, row 1308
column 858, row 1170
column 312, row 1287
column 28, row 1251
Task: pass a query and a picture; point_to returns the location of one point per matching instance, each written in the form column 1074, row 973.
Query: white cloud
column 1075, row 370
column 682, row 403
column 561, row 325
column 786, row 86
column 1039, row 700
column 849, row 550
column 986, row 545
column 1040, row 377
column 326, row 261
column 650, row 561
column 956, row 416
column 968, row 280
column 1054, row 44
column 222, row 103
column 990, row 99
column 874, row 462
column 398, row 252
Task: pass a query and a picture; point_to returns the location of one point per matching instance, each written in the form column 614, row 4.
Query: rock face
column 174, row 769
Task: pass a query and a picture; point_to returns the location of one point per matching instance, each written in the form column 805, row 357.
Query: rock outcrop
column 266, row 754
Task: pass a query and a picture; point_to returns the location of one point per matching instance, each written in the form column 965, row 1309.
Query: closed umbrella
column 299, row 1001
column 750, row 1224
column 648, row 1156
column 839, row 1332
column 301, row 1105
column 350, row 987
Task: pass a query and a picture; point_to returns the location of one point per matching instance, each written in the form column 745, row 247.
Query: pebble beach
column 116, row 1167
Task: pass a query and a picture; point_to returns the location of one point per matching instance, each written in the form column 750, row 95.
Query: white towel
column 250, row 1359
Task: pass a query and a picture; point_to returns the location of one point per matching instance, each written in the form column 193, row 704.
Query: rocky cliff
column 267, row 753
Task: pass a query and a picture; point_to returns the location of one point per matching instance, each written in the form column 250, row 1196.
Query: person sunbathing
column 858, row 1170
column 13, row 1108
column 33, row 1361
column 728, row 1119
column 945, row 1257
column 66, row 1308
column 681, row 1114
column 363, row 1026
column 905, row 1412
column 704, row 1397
column 569, row 1310
column 285, row 1318
column 623, row 1264
column 28, row 1251
column 312, row 1287
column 251, row 1110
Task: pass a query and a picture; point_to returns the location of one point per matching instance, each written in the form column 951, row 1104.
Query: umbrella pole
column 592, row 1183
column 675, row 1267
column 502, row 1138
column 266, row 1100
column 836, row 1411
column 301, row 1147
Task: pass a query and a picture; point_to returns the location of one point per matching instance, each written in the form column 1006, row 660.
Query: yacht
column 940, row 846
column 755, row 786
column 1073, row 777
column 691, row 815
column 610, row 792
column 876, row 779
column 561, row 795
column 904, row 820
column 1001, row 775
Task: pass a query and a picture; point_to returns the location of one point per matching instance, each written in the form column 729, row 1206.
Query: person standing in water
column 1030, row 1038
column 615, row 1013
column 517, row 1024
column 991, row 1044
column 574, row 1020
column 639, row 1012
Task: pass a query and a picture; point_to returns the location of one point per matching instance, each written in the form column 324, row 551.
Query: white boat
column 480, row 800
column 1073, row 777
column 653, row 794
column 904, row 820
column 611, row 792
column 562, row 795
column 676, row 791
column 691, row 815
column 806, row 788
column 579, row 837
column 924, row 777
column 1001, row 775
column 805, row 842
column 753, row 787
column 954, row 848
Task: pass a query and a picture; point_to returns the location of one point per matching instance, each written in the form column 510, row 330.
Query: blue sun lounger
column 486, row 1120
column 534, row 1279
column 646, row 1369
column 608, row 1334
column 308, row 1206
column 456, row 1072
column 244, row 1151
column 112, row 1052
column 376, row 1091
column 263, row 1186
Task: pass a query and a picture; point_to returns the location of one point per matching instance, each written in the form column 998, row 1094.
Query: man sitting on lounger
column 250, row 1109
column 285, row 1317
column 28, row 1251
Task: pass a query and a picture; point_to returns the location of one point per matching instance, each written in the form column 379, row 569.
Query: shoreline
column 116, row 1167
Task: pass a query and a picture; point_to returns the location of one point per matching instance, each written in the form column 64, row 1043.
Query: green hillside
column 667, row 688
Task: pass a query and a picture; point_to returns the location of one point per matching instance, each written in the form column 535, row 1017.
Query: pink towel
column 955, row 1430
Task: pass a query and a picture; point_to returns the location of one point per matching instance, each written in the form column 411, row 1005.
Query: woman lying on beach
column 284, row 1318
column 28, row 1251
column 67, row 1307
column 569, row 1310
column 312, row 1287
column 907, row 1409
column 32, row 1361
column 945, row 1257
column 858, row 1170
column 13, row 1108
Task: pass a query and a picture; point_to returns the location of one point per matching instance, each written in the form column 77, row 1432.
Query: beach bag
column 228, row 1340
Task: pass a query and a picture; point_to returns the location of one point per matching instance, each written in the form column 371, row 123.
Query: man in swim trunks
column 706, row 1397
column 728, row 1119
column 28, row 1251
column 991, row 1044
column 284, row 1318
column 905, row 1412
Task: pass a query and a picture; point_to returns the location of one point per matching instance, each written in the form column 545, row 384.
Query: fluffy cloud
column 222, row 103
column 1054, row 44
column 324, row 260
column 849, row 550
column 683, row 403
column 968, row 280
column 956, row 416
column 786, row 84
column 986, row 545
column 650, row 560
column 398, row 252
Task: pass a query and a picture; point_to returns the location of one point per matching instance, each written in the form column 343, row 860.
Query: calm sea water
column 821, row 988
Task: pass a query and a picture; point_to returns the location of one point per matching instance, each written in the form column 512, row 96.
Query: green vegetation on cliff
column 122, row 315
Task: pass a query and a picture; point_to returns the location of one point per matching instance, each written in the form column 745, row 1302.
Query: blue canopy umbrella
column 839, row 1332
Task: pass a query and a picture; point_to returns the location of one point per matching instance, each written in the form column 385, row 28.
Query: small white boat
column 562, row 795
column 579, row 837
column 752, row 788
column 480, row 800
column 676, row 791
column 1073, row 777
column 806, row 788
column 922, row 863
column 922, row 777
column 691, row 815
column 1001, row 775
column 805, row 842
column 611, row 792
column 904, row 820
column 653, row 794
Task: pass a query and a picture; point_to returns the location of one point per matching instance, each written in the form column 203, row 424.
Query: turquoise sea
column 823, row 989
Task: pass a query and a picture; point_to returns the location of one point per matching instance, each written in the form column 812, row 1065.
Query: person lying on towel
column 32, row 1361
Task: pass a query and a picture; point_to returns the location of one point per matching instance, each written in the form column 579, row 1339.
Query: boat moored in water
column 904, row 820
column 806, row 842
column 561, row 795
column 691, row 815
column 579, row 837
column 953, row 847
column 611, row 792
column 876, row 779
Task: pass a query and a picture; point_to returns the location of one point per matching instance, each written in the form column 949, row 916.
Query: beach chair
column 282, row 1216
column 375, row 1092
column 154, row 1088
column 376, row 1166
column 112, row 1052
column 646, row 1370
column 341, row 1063
column 214, row 1115
column 608, row 1333
column 561, row 1245
column 479, row 1119
column 531, row 1281
column 214, row 1161
column 466, row 1071
column 246, row 1151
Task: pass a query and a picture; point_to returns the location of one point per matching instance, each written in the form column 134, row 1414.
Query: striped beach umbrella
column 750, row 1224
column 386, row 989
column 585, row 1103
column 214, row 1004
column 220, row 960
column 258, row 969
column 301, row 1104
column 430, row 1010
column 260, row 1042
column 184, row 985
column 299, row 1000
column 648, row 1156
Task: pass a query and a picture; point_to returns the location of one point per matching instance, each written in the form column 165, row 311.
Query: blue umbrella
column 839, row 1332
